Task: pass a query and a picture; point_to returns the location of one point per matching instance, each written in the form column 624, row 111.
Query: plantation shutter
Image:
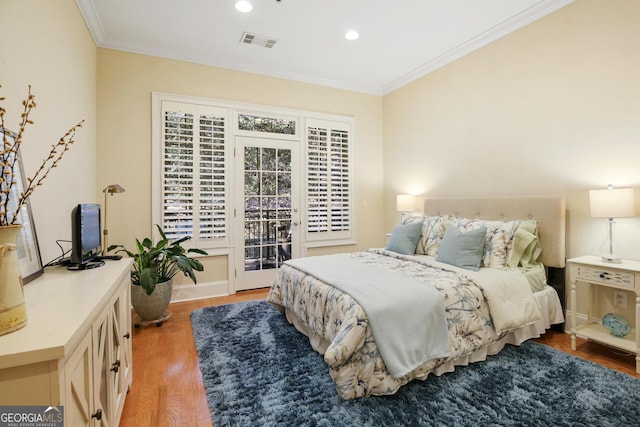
column 329, row 184
column 194, row 164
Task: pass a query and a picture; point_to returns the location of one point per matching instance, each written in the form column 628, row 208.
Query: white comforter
column 508, row 294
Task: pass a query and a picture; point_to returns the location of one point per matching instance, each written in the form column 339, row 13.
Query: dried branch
column 9, row 160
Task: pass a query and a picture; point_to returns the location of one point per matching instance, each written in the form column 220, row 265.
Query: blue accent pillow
column 404, row 238
column 462, row 248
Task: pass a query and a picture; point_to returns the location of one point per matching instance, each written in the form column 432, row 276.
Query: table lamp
column 611, row 203
column 405, row 202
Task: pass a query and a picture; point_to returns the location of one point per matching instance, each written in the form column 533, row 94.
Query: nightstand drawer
column 619, row 279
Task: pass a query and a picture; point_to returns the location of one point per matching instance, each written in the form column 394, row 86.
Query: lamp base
column 606, row 250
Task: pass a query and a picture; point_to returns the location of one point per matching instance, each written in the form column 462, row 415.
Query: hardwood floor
column 167, row 386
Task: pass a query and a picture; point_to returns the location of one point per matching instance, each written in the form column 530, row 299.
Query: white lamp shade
column 612, row 203
column 405, row 203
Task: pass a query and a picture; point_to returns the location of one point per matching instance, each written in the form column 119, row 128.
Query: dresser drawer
column 605, row 276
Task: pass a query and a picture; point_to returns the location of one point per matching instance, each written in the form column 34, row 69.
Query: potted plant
column 154, row 266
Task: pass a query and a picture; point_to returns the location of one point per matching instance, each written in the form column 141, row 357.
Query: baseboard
column 581, row 319
column 201, row 290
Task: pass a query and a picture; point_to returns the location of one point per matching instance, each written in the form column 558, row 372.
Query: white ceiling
column 399, row 40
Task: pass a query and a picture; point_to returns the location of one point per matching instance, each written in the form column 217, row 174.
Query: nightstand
column 589, row 272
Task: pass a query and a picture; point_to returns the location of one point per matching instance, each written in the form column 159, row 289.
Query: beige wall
column 125, row 84
column 45, row 43
column 550, row 109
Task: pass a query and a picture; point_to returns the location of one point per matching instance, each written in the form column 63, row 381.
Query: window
column 194, row 171
column 193, row 149
column 329, row 180
column 267, row 124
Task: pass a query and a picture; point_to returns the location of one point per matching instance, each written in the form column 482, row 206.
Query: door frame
column 242, row 279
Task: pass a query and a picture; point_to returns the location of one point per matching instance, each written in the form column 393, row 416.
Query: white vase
column 151, row 307
column 13, row 313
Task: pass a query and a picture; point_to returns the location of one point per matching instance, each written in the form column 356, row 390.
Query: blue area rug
column 259, row 371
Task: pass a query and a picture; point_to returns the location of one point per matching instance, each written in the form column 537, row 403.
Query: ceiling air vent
column 257, row 40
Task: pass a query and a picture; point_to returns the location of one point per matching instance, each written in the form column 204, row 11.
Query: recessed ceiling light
column 243, row 6
column 351, row 35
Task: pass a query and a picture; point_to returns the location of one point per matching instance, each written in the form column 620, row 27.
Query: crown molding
column 90, row 16
column 535, row 12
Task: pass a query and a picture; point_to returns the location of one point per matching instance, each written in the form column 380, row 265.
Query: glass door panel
column 266, row 225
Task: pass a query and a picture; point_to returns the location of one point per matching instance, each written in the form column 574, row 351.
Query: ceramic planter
column 13, row 313
column 151, row 307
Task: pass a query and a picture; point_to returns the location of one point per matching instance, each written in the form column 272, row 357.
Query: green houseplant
column 154, row 266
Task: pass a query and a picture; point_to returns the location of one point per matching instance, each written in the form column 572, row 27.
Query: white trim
column 156, row 157
column 327, row 238
column 256, row 134
column 222, row 251
column 201, row 290
column 302, row 118
column 159, row 106
column 88, row 11
column 247, row 107
column 581, row 319
column 234, row 66
column 535, row 12
column 326, row 243
column 540, row 9
column 253, row 279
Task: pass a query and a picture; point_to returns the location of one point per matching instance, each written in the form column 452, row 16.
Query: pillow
column 409, row 218
column 404, row 238
column 433, row 229
column 462, row 248
column 498, row 239
column 524, row 255
column 525, row 245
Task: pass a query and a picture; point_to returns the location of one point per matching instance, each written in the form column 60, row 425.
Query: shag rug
column 259, row 371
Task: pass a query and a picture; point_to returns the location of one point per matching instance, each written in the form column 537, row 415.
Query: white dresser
column 75, row 350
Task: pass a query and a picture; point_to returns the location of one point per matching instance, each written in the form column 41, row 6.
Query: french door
column 267, row 213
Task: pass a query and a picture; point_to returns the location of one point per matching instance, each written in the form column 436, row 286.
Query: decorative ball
column 616, row 324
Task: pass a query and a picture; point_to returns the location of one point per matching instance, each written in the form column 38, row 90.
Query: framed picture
column 27, row 244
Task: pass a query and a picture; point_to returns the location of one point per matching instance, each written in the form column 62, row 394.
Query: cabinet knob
column 97, row 415
column 127, row 335
column 115, row 366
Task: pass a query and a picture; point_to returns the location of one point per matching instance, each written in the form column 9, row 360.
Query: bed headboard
column 549, row 211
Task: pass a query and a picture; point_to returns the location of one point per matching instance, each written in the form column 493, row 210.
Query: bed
column 384, row 317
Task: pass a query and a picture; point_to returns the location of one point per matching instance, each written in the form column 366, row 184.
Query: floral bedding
column 352, row 355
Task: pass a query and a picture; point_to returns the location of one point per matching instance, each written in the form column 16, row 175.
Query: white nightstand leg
column 638, row 333
column 574, row 309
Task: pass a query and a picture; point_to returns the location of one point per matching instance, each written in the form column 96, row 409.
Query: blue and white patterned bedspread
column 352, row 355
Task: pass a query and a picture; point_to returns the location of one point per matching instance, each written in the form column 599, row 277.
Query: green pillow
column 404, row 238
column 524, row 244
column 462, row 249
